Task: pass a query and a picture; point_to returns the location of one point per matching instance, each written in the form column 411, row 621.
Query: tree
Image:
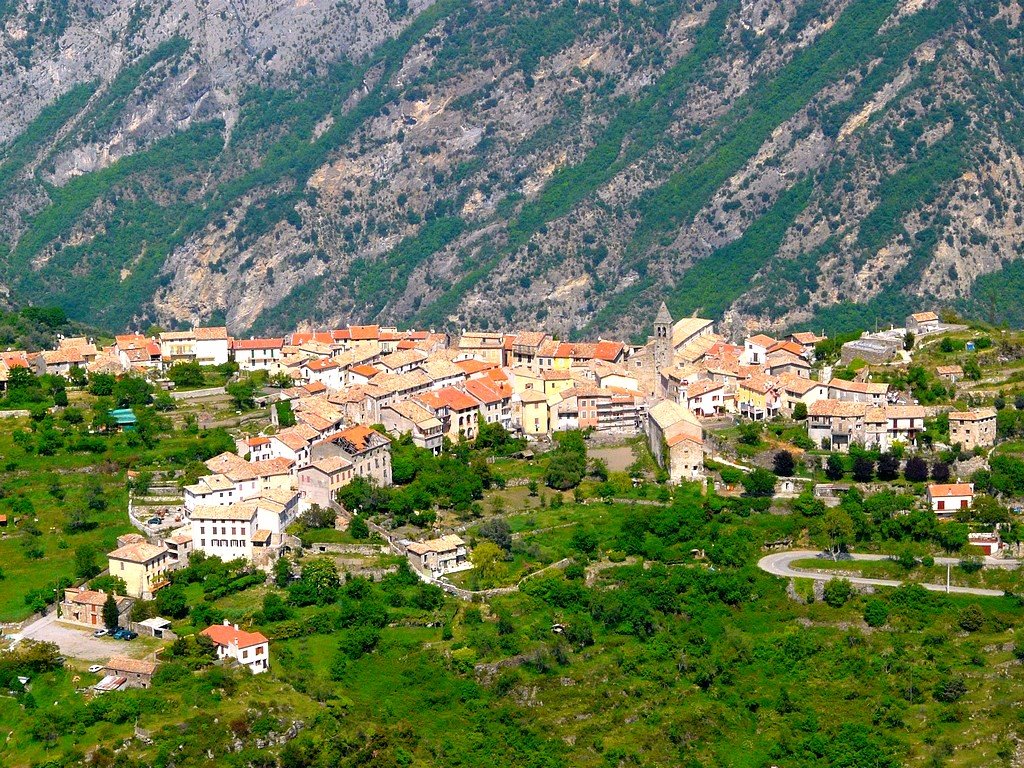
column 243, row 393
column 171, row 601
column 863, row 469
column 487, row 558
column 132, row 390
column 85, row 562
column 952, row 537
column 915, row 470
column 940, row 471
column 111, row 617
column 888, row 466
column 285, row 416
column 834, row 469
column 498, row 531
column 318, row 584
column 760, row 483
column 783, row 464
column 186, row 374
column 838, row 527
column 999, row 402
column 800, row 412
column 750, row 433
column 584, row 540
column 282, row 572
column 908, row 340
column 358, row 528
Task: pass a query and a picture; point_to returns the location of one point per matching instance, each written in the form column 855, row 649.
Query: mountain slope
column 500, row 163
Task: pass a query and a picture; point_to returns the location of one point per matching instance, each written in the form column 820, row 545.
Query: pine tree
column 111, row 616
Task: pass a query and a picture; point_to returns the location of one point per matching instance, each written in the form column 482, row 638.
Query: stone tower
column 662, row 339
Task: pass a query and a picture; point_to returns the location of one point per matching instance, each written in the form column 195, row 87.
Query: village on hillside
column 337, row 403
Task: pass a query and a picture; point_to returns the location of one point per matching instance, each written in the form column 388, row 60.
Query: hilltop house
column 85, row 607
column 143, row 566
column 973, row 429
column 438, row 557
column 249, row 649
column 946, row 498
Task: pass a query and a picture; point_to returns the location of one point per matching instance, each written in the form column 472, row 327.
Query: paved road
column 779, row 564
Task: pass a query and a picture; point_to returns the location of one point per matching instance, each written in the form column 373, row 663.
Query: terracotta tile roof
column 529, row 339
column 474, row 366
column 232, row 466
column 131, row 666
column 364, row 332
column 257, row 343
column 762, row 340
column 368, row 371
column 215, row 333
column 484, row 392
column 924, row 317
column 702, row 387
column 950, row 489
column 139, row 552
column 842, row 408
column 240, row 511
column 416, row 413
column 292, row 439
column 806, row 338
column 225, row 635
column 861, row 387
column 438, row 368
column 403, row 358
column 979, row 415
column 321, row 364
column 330, row 465
column 359, row 437
column 532, row 396
column 904, row 411
column 91, row 597
column 949, row 370
column 275, row 466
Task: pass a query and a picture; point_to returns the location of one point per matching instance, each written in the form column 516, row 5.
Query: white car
column 100, row 633
column 95, row 668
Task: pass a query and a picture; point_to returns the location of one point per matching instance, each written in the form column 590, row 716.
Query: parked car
column 118, row 634
column 154, row 521
column 100, row 633
column 95, row 668
column 125, row 634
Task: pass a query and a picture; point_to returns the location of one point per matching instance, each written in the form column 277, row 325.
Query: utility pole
column 947, row 578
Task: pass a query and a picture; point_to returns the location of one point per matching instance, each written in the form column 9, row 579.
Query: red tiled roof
column 364, row 332
column 484, row 392
column 257, row 343
column 225, row 635
column 210, row 334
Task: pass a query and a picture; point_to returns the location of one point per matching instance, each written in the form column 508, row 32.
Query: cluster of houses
column 433, row 386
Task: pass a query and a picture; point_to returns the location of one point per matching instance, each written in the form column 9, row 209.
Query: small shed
column 124, row 418
column 157, row 627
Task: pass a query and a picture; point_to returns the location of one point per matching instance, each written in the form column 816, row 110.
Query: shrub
column 876, row 613
column 837, row 592
column 949, row 689
column 971, row 619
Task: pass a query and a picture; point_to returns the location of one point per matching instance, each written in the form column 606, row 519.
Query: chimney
column 227, row 623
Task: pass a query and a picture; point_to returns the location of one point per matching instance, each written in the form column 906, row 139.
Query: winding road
column 780, row 564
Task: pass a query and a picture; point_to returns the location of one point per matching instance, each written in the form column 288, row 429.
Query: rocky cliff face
column 504, row 163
